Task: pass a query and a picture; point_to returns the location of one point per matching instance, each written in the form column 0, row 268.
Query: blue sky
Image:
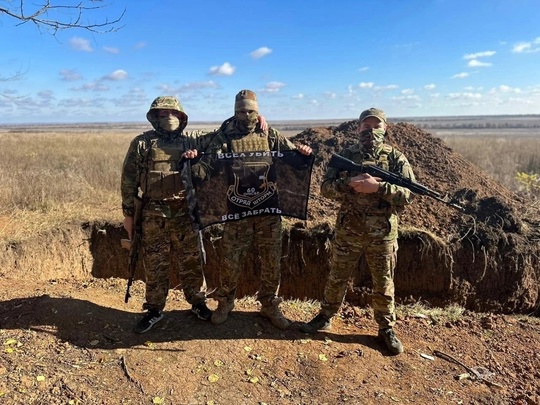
column 304, row 59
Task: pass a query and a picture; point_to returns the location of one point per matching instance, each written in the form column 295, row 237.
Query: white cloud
column 46, row 95
column 363, row 69
column 461, row 75
column 299, row 96
column 259, row 53
column 408, row 97
column 141, row 44
column 92, row 86
column 387, row 87
column 330, row 95
column 188, row 87
column 407, row 91
column 224, row 70
column 69, row 75
column 464, row 96
column 273, row 87
column 471, row 88
column 117, row 75
column 80, row 44
column 365, row 85
column 477, row 63
column 430, row 86
column 505, row 89
column 112, row 50
column 477, row 55
column 527, row 47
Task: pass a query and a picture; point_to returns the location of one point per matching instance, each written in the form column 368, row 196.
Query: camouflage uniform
column 151, row 171
column 366, row 224
column 239, row 236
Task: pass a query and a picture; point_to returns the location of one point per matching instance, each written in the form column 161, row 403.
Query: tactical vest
column 162, row 180
column 254, row 142
column 371, row 203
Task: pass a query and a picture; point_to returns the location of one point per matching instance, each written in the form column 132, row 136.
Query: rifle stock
column 134, row 245
column 344, row 164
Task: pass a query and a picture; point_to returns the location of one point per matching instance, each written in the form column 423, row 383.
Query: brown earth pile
column 485, row 258
column 493, row 244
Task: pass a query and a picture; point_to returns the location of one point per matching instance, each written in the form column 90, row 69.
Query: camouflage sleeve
column 335, row 184
column 201, row 139
column 130, row 180
column 202, row 170
column 397, row 195
column 278, row 141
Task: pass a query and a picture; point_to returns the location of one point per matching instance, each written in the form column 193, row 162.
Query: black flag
column 248, row 184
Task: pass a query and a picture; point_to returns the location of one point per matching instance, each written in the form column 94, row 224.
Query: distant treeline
column 477, row 125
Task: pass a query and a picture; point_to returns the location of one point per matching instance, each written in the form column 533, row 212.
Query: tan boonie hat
column 373, row 112
column 246, row 99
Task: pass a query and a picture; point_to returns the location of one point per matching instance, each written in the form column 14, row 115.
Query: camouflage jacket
column 136, row 164
column 390, row 198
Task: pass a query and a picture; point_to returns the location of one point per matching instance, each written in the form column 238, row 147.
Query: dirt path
column 71, row 343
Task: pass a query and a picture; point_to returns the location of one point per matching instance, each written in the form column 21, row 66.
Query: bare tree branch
column 56, row 17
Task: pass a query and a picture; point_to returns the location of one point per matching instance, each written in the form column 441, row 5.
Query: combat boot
column 393, row 344
column 225, row 305
column 272, row 312
column 320, row 322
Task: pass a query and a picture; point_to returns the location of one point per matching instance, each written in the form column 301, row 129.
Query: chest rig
column 254, row 142
column 371, row 203
column 162, row 179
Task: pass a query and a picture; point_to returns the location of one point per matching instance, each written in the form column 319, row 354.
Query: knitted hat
column 246, row 99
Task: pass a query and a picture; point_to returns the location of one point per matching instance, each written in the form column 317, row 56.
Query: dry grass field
column 58, row 174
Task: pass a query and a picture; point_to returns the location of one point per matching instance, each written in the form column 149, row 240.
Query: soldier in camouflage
column 151, row 172
column 242, row 133
column 367, row 224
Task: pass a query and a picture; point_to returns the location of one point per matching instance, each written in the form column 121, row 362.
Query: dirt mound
column 437, row 167
column 489, row 252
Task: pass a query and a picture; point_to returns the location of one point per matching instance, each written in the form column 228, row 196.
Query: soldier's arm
column 335, row 183
column 278, row 142
column 202, row 169
column 397, row 195
column 130, row 181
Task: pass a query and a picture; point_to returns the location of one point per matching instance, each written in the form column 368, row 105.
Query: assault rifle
column 341, row 163
column 133, row 245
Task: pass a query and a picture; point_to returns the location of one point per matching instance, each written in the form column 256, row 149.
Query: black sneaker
column 320, row 322
column 390, row 339
column 148, row 321
column 202, row 311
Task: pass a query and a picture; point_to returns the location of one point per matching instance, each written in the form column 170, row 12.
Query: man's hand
column 262, row 123
column 128, row 226
column 365, row 183
column 190, row 154
column 304, row 149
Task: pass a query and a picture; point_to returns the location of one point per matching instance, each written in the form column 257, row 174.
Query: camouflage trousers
column 263, row 233
column 376, row 238
column 170, row 246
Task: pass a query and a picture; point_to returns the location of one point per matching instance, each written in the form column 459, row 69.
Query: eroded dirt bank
column 485, row 259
